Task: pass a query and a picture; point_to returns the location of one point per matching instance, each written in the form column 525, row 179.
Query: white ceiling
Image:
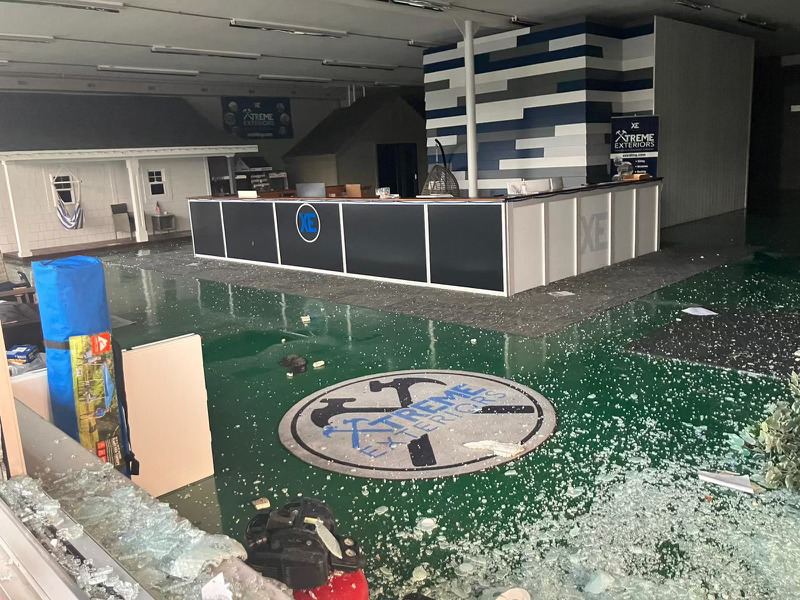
column 379, row 34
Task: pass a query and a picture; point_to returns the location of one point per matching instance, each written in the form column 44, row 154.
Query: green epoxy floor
column 617, row 411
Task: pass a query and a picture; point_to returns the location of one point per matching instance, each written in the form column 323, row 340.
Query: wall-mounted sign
column 257, row 118
column 417, row 424
column 308, row 223
column 634, row 140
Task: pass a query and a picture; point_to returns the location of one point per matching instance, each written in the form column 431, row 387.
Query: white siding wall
column 103, row 183
column 703, row 85
column 8, row 239
column 184, row 177
column 33, row 199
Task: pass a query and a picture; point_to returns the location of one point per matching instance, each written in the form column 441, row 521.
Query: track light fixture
column 419, row 44
column 286, row 28
column 692, row 4
column 301, row 78
column 24, row 37
column 98, row 5
column 519, row 22
column 426, row 4
column 756, row 22
column 203, row 52
column 148, row 70
column 357, row 65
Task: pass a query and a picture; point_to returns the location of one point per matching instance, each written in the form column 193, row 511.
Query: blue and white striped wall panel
column 545, row 97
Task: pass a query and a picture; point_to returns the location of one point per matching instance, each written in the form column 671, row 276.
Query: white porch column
column 472, row 129
column 22, row 244
column 134, row 178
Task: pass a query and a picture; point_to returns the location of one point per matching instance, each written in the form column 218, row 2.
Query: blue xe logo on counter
column 308, row 224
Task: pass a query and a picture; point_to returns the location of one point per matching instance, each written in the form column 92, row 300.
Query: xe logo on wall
column 594, row 232
column 308, row 223
column 417, row 424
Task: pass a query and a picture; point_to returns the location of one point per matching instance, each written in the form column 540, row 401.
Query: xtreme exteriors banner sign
column 635, row 140
column 257, row 118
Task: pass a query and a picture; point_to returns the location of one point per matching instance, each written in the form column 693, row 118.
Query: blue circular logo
column 308, row 223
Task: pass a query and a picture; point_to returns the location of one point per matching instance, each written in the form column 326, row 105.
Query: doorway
column 397, row 168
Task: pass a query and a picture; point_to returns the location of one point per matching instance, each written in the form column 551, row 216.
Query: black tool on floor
column 298, row 545
column 295, row 363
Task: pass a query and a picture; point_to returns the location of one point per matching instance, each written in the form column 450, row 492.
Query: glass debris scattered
column 649, row 534
column 164, row 552
column 615, row 491
column 40, row 514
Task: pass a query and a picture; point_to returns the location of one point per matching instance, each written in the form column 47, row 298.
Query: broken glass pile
column 164, row 552
column 41, row 515
column 161, row 550
column 656, row 533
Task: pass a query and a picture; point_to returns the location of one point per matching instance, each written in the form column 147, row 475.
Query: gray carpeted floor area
column 532, row 313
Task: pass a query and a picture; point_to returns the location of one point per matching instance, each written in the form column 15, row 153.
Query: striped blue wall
column 545, row 97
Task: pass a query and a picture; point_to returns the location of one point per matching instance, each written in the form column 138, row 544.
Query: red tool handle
column 344, row 586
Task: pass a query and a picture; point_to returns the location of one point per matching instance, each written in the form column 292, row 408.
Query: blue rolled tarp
column 76, row 324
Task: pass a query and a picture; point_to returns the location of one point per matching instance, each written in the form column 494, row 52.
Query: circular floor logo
column 308, row 224
column 417, row 424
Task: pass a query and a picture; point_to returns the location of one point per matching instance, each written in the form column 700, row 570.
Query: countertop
column 565, row 191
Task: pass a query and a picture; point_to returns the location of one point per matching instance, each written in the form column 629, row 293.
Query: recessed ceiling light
column 99, row 5
column 286, row 28
column 426, row 4
column 295, row 78
column 357, row 65
column 24, row 37
column 203, row 52
column 148, row 70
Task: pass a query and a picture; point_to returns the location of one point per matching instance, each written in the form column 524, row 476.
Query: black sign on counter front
column 635, row 140
column 257, row 118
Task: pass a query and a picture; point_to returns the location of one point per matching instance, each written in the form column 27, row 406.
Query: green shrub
column 777, row 440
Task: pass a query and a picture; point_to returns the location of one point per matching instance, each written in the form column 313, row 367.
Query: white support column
column 472, row 129
column 136, row 199
column 22, row 245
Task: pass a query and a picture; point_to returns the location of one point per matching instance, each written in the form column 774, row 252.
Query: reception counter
column 498, row 246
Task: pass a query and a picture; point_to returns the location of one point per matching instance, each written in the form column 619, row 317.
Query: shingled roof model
column 48, row 122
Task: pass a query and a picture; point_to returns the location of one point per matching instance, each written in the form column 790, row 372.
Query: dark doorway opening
column 397, row 169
